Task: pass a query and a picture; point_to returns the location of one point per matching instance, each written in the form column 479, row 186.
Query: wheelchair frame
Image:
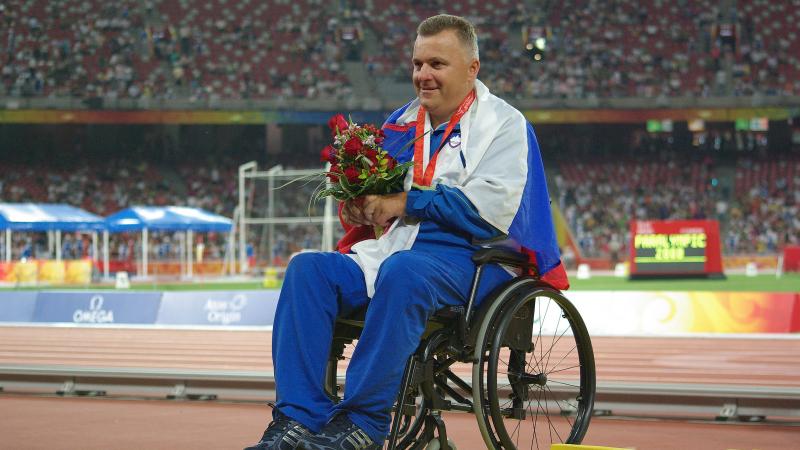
column 482, row 337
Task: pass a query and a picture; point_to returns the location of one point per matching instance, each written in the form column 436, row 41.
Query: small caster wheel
column 435, row 445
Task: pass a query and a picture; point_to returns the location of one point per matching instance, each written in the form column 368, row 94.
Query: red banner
column 791, row 258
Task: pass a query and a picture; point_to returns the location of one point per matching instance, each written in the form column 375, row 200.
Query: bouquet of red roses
column 359, row 165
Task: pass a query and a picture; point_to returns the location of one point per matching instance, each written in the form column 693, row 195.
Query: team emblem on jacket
column 455, row 141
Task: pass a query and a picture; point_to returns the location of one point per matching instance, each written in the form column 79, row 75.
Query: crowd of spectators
column 104, row 188
column 643, row 49
column 600, row 199
column 767, row 44
column 758, row 208
column 593, row 49
column 218, row 49
column 164, row 49
column 765, row 213
column 107, row 187
column 759, row 216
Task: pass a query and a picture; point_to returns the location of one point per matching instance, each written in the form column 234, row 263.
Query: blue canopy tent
column 49, row 218
column 166, row 218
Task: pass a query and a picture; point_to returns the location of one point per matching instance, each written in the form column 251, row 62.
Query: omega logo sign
column 225, row 312
column 95, row 313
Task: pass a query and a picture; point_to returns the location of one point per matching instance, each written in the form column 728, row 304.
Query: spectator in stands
column 432, row 233
column 203, row 51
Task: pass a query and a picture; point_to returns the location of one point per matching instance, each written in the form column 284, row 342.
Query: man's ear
column 474, row 67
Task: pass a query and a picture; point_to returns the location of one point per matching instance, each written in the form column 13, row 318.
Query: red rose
column 328, row 154
column 379, row 140
column 371, row 154
column 353, row 145
column 333, row 174
column 338, row 122
column 390, row 162
column 352, row 174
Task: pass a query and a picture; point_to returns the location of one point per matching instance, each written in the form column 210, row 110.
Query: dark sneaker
column 339, row 434
column 282, row 433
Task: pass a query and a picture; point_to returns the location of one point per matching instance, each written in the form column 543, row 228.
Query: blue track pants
column 318, row 287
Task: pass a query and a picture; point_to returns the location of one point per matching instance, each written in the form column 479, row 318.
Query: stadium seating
column 769, row 45
column 169, row 49
column 766, row 214
column 599, row 200
column 215, row 49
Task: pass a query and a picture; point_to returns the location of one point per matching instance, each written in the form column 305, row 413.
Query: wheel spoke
column 535, row 422
column 553, row 345
column 541, row 325
column 557, row 403
column 565, row 368
column 559, row 350
column 550, row 422
column 574, row 347
column 529, row 410
column 563, row 383
column 549, row 352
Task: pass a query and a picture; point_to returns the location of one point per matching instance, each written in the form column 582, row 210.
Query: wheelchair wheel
column 534, row 370
column 412, row 431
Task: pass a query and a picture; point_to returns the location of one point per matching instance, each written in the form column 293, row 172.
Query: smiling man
column 477, row 180
column 446, row 66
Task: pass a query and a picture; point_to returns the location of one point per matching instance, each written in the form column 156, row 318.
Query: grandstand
column 644, row 110
column 86, row 56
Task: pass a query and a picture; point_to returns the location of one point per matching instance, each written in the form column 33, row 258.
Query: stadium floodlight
column 536, row 48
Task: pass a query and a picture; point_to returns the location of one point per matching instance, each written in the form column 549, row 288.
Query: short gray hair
column 463, row 28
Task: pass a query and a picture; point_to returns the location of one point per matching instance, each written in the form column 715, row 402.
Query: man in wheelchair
column 477, row 179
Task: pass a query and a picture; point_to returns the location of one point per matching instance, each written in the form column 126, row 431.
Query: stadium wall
column 377, row 104
column 605, row 312
column 286, row 116
column 108, row 308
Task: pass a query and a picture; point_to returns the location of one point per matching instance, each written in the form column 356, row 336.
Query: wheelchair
column 532, row 378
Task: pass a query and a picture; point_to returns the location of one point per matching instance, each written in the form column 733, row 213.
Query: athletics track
column 32, row 419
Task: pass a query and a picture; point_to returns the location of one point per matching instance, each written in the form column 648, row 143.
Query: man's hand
column 353, row 212
column 379, row 210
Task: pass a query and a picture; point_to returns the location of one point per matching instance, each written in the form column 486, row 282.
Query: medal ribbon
column 424, row 177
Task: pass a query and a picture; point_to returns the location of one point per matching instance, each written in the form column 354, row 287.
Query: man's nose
column 424, row 72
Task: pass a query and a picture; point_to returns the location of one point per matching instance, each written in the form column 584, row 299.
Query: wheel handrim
column 549, row 398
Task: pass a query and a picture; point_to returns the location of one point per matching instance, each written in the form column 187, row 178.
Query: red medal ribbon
column 424, row 177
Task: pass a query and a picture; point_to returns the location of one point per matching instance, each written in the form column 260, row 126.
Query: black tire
column 533, row 394
column 412, row 429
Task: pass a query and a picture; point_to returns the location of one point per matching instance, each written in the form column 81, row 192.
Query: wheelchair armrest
column 501, row 256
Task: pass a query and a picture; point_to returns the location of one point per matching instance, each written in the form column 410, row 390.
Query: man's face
column 444, row 72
